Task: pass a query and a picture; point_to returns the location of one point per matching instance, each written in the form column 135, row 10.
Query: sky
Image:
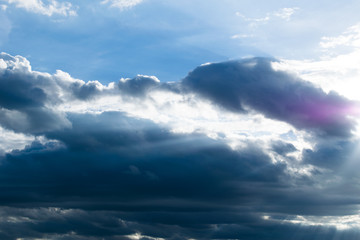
column 179, row 120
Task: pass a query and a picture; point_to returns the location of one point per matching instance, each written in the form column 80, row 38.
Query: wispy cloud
column 350, row 38
column 253, row 20
column 51, row 8
column 122, row 4
column 284, row 13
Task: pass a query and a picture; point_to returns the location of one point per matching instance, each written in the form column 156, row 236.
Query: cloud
column 94, row 169
column 252, row 84
column 284, row 13
column 338, row 60
column 56, row 223
column 114, row 175
column 165, row 163
column 330, row 154
column 253, row 21
column 139, row 85
column 122, row 4
column 26, row 98
column 52, row 8
column 213, row 156
column 283, row 148
column 10, row 140
column 350, row 37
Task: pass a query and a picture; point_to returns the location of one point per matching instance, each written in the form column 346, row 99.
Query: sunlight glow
column 339, row 222
column 138, row 236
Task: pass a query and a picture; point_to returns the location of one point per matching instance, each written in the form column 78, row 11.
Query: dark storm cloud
column 282, row 148
column 135, row 158
column 331, row 154
column 146, row 174
column 26, row 99
column 253, row 84
column 74, row 224
column 113, row 175
column 174, row 186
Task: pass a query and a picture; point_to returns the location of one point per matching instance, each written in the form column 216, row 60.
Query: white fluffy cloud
column 50, row 8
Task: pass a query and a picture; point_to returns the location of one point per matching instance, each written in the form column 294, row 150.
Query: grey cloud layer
column 165, row 184
column 254, row 84
column 110, row 175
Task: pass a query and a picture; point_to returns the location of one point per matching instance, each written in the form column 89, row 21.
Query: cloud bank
column 109, row 162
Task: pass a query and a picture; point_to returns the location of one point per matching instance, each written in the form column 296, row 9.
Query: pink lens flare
column 323, row 112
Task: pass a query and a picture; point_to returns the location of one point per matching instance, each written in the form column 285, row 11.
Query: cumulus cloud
column 114, row 161
column 253, row 84
column 239, row 86
column 51, row 8
column 27, row 98
column 138, row 86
